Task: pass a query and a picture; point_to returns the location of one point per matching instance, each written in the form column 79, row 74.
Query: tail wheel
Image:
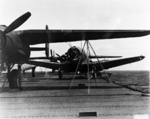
column 15, row 79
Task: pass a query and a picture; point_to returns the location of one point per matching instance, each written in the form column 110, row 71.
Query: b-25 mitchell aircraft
column 15, row 45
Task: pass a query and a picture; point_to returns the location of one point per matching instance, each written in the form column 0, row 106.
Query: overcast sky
column 88, row 14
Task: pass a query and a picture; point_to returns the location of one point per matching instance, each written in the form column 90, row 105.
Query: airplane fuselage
column 74, row 58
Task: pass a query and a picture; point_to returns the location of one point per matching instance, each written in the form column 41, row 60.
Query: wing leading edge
column 97, row 65
column 32, row 37
column 51, row 65
column 114, row 63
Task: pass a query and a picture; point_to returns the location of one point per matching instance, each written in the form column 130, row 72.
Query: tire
column 15, row 79
column 60, row 74
column 94, row 73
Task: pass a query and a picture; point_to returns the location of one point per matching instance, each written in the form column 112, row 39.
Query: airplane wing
column 32, row 37
column 51, row 65
column 92, row 57
column 97, row 65
column 32, row 58
column 27, row 67
column 112, row 63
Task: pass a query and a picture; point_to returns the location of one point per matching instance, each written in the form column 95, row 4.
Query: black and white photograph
column 70, row 59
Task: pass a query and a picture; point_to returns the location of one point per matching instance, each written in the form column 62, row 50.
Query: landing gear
column 105, row 76
column 60, row 74
column 14, row 78
column 109, row 74
column 94, row 73
column 33, row 71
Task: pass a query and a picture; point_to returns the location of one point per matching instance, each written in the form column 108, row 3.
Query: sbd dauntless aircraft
column 15, row 47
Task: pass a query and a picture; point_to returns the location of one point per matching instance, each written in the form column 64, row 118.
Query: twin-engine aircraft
column 15, row 46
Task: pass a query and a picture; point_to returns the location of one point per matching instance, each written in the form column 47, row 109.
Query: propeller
column 47, row 45
column 61, row 58
column 52, row 57
column 58, row 55
column 18, row 22
column 74, row 52
column 51, row 52
column 15, row 24
column 47, row 49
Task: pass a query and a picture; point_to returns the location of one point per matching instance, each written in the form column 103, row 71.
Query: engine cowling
column 75, row 53
column 12, row 49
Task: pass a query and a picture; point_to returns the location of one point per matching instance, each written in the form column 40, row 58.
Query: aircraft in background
column 15, row 45
column 71, row 57
column 76, row 60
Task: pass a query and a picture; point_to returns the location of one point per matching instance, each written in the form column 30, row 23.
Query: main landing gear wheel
column 94, row 73
column 15, row 79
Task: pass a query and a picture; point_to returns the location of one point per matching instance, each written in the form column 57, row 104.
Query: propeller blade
column 48, row 34
column 18, row 22
column 47, row 49
column 48, row 41
column 46, row 27
column 58, row 55
column 51, row 52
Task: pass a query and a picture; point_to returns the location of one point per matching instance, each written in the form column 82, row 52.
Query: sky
column 88, row 14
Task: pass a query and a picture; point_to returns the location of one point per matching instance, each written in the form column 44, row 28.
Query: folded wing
column 32, row 37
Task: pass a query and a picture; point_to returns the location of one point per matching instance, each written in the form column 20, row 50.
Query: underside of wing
column 27, row 67
column 51, row 65
column 98, row 65
column 32, row 37
column 112, row 63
